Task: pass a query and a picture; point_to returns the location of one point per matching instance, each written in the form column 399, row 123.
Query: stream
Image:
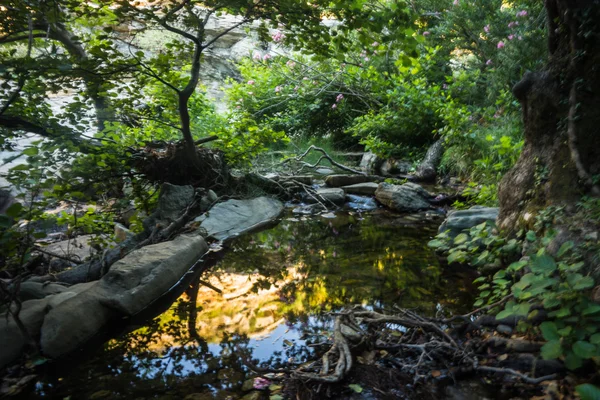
column 277, row 287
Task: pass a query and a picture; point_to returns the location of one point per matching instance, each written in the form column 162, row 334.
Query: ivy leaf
column 551, row 350
column 549, row 331
column 588, row 391
column 584, row 349
column 461, row 238
column 595, row 338
column 572, row 361
column 566, row 246
column 543, row 264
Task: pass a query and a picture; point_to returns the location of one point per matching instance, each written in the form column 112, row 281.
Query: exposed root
column 416, row 346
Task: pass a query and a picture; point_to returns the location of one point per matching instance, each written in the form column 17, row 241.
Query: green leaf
column 457, row 256
column 591, row 309
column 572, row 361
column 551, row 350
column 543, row 264
column 461, row 238
column 588, row 391
column 530, row 236
column 584, row 349
column 356, row 388
column 595, row 338
column 14, row 210
column 31, row 151
column 549, row 331
column 566, row 246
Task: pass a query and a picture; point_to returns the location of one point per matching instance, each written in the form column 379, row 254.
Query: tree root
column 419, row 347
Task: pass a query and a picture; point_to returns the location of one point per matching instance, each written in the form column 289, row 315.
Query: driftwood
column 427, row 170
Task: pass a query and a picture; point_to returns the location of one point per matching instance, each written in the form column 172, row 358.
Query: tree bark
column 560, row 160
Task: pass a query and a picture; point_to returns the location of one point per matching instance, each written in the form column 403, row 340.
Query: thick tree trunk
column 561, row 112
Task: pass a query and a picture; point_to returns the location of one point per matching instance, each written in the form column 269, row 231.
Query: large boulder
column 365, row 189
column 30, row 290
column 233, row 217
column 346, row 180
column 458, row 220
column 131, row 285
column 13, row 341
column 328, row 196
column 408, row 197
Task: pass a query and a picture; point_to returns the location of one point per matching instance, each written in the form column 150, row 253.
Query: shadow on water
column 276, row 287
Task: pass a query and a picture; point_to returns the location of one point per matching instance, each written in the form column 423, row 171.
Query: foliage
column 556, row 283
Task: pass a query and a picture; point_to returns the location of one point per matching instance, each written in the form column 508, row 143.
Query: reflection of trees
column 294, row 271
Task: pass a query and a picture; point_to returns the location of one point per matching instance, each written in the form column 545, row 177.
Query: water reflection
column 274, row 287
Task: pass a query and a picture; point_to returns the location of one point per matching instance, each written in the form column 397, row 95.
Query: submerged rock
column 233, row 217
column 458, row 220
column 366, row 188
column 360, row 203
column 409, row 197
column 131, row 285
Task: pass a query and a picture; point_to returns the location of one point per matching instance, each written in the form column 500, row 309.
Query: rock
column 172, row 203
column 13, row 342
column 366, row 188
column 370, row 163
column 504, row 329
column 324, row 171
column 122, row 233
column 392, row 166
column 409, row 197
column 458, row 220
column 233, row 217
column 78, row 248
column 304, row 179
column 36, row 290
column 328, row 195
column 346, row 180
column 131, row 285
column 208, row 200
column 427, row 170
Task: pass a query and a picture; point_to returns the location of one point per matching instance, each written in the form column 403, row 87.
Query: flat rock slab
column 131, row 285
column 346, row 180
column 234, row 217
column 365, row 189
column 459, row 220
column 409, row 197
column 78, row 248
column 327, row 196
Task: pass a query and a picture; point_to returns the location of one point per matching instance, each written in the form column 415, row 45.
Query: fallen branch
column 324, row 156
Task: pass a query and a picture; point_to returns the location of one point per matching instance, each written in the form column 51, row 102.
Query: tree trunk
column 561, row 156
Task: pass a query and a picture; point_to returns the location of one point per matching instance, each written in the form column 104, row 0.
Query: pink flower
column 290, row 64
column 257, row 56
column 266, row 57
column 511, row 37
column 334, row 106
column 278, row 37
column 296, row 88
column 366, row 58
column 520, row 37
column 455, row 2
column 522, row 13
column 375, row 44
column 277, row 89
column 488, row 62
column 261, row 383
column 339, row 97
column 238, row 107
column 500, row 44
column 426, row 33
column 511, row 24
column 486, row 28
column 251, row 82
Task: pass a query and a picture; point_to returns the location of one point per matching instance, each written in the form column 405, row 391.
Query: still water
column 266, row 302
